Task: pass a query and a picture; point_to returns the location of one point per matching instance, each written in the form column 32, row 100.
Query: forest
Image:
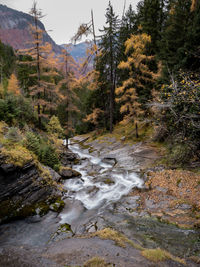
column 145, row 74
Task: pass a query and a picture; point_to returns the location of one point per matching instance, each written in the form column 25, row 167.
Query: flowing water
column 103, row 181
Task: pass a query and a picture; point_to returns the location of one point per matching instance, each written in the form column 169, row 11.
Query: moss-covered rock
column 57, row 206
column 68, row 173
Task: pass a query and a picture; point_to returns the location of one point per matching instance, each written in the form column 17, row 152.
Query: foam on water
column 91, row 190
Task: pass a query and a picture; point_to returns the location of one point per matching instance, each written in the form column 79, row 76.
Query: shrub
column 16, row 109
column 48, row 156
column 14, row 135
column 54, row 127
column 32, row 143
column 42, row 149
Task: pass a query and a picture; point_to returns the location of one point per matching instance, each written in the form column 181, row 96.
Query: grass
column 3, row 127
column 117, row 237
column 17, row 155
column 97, row 262
column 157, row 255
column 121, row 240
column 128, row 131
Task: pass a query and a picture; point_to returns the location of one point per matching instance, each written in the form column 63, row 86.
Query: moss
column 10, row 210
column 108, row 181
column 157, row 255
column 97, row 262
column 6, row 209
column 57, row 206
column 42, row 208
column 65, row 228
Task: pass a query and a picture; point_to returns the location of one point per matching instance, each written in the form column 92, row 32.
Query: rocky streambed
column 109, row 194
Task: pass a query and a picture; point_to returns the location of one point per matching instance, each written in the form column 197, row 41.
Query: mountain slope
column 14, row 29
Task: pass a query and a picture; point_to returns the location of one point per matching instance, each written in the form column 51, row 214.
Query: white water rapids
column 102, row 182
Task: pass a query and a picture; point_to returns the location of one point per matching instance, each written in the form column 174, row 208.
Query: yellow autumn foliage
column 13, row 85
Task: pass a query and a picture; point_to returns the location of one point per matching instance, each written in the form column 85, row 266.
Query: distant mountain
column 77, row 51
column 14, row 29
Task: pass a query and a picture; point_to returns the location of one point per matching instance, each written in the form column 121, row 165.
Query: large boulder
column 68, row 173
column 68, row 158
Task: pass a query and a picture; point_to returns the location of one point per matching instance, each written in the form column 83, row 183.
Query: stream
column 103, row 181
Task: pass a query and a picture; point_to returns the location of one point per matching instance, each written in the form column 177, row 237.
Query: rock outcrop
column 26, row 190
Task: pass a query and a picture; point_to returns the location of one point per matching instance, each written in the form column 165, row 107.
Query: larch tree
column 65, row 91
column 139, row 73
column 43, row 89
column 13, row 85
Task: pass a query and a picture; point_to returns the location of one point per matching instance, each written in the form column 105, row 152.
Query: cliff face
column 24, row 192
column 14, row 29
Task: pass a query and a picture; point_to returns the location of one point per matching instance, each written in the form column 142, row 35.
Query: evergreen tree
column 172, row 51
column 150, row 20
column 108, row 59
column 190, row 60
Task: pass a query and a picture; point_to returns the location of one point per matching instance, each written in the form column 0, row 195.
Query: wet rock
column 55, row 176
column 68, row 158
column 92, row 190
column 109, row 160
column 128, row 204
column 123, row 138
column 104, row 179
column 57, row 206
column 68, row 173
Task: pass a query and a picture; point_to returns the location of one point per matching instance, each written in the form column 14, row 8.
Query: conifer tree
column 108, row 57
column 13, row 85
column 172, row 51
column 139, row 74
column 43, row 90
column 65, row 91
column 150, row 20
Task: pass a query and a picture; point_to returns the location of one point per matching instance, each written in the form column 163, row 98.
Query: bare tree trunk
column 136, row 130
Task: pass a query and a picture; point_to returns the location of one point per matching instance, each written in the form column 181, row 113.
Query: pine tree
column 108, row 57
column 150, row 20
column 172, row 50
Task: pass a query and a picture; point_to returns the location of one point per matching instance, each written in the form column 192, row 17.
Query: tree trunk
column 67, row 142
column 112, row 89
column 136, row 130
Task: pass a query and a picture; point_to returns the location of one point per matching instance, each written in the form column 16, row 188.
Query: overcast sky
column 64, row 16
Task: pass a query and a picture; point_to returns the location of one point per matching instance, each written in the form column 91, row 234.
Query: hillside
column 14, row 29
